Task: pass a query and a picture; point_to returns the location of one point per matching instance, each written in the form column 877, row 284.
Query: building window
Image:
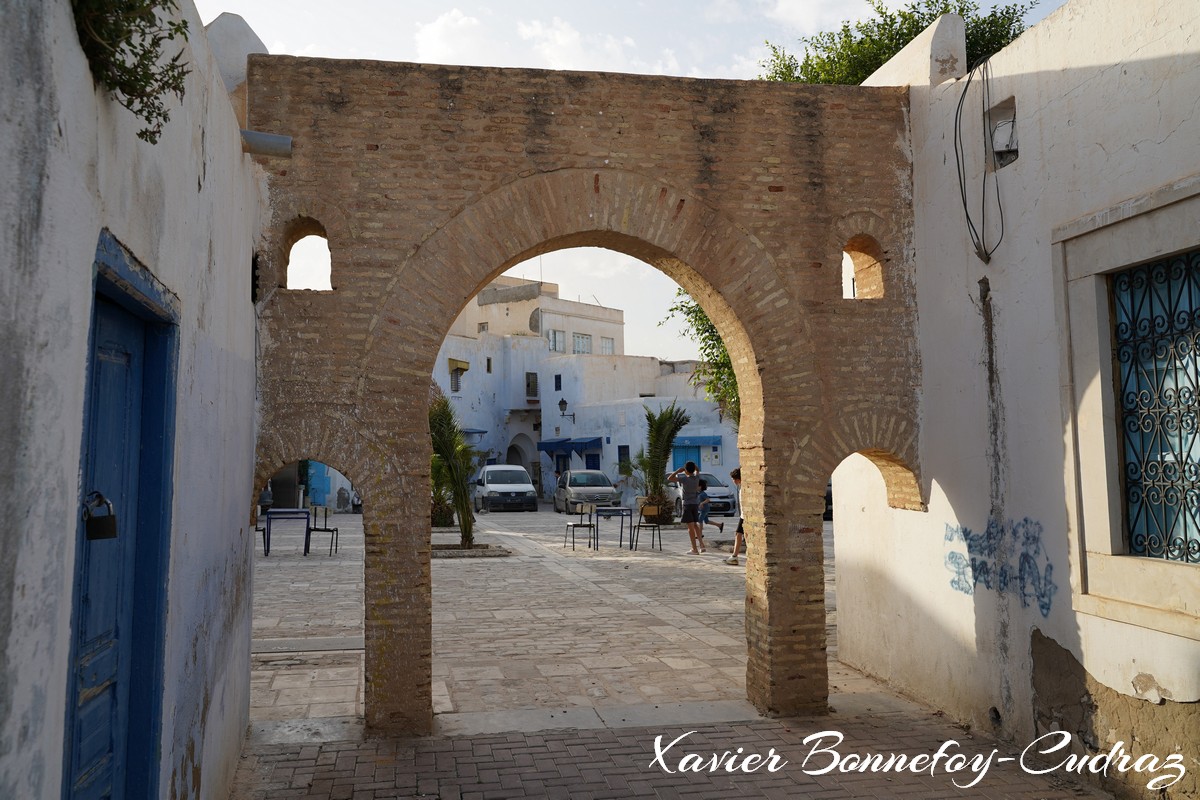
column 558, row 341
column 623, row 456
column 456, row 380
column 607, row 346
column 1147, row 592
column 558, row 383
column 489, row 365
column 1156, row 331
column 581, row 343
column 483, row 327
column 531, row 387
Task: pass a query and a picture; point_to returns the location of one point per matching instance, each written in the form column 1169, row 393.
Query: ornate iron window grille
column 1156, row 330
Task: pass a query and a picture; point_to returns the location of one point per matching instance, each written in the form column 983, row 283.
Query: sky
column 691, row 38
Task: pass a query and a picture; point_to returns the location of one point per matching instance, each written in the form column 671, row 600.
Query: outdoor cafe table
column 621, row 514
column 286, row 513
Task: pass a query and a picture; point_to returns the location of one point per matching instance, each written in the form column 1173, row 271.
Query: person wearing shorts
column 705, row 507
column 739, row 538
column 688, row 478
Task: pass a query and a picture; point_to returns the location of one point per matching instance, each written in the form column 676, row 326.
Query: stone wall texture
column 1102, row 721
column 429, row 181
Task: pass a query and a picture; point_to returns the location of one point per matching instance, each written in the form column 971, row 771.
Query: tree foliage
column 846, row 56
column 715, row 372
column 123, row 41
column 651, row 461
column 850, row 54
column 453, row 463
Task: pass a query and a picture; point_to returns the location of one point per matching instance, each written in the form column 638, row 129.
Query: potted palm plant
column 651, row 461
column 453, row 463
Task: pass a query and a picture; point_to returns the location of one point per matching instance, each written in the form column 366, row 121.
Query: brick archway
column 442, row 177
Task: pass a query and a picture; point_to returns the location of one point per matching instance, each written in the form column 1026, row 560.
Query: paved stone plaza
column 554, row 672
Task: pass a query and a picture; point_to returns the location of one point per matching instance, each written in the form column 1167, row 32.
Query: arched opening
column 307, row 622
column 307, row 262
column 862, row 268
column 310, row 265
column 569, row 395
column 862, row 596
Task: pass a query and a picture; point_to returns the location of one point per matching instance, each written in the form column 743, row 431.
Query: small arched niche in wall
column 310, row 265
column 862, row 268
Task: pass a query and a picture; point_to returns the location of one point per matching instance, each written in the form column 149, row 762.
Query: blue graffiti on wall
column 988, row 561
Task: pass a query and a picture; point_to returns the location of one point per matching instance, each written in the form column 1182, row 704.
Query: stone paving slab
column 621, row 763
column 554, row 671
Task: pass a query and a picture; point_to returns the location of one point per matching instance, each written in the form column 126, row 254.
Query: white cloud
column 806, row 17
column 723, row 12
column 559, row 45
column 455, row 38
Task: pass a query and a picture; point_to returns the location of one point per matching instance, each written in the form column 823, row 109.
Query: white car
column 504, row 486
column 722, row 498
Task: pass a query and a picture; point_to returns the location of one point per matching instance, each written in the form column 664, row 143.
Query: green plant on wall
column 123, row 41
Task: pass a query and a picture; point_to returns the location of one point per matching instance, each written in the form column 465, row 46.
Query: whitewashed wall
column 1105, row 94
column 188, row 209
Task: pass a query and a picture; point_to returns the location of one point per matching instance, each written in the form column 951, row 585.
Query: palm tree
column 661, row 430
column 456, row 462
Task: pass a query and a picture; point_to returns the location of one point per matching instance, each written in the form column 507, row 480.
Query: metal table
column 287, row 513
column 622, row 514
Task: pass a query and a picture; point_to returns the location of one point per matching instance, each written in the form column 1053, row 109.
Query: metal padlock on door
column 99, row 527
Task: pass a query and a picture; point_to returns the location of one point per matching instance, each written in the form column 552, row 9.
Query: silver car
column 722, row 498
column 578, row 486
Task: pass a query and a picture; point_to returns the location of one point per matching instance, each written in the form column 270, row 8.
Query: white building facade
column 1054, row 582
column 129, row 372
column 502, row 371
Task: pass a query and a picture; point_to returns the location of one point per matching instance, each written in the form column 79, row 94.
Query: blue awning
column 697, row 441
column 569, row 445
column 554, row 445
column 580, row 445
column 474, row 431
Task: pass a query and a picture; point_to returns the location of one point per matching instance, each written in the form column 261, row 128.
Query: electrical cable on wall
column 978, row 235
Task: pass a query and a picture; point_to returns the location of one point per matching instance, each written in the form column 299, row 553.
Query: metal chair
column 644, row 512
column 333, row 532
column 585, row 510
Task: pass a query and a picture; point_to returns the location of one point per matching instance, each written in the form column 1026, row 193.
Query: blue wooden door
column 682, row 455
column 102, row 629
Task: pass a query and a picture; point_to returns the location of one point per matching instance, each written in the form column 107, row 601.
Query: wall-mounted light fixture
column 562, row 409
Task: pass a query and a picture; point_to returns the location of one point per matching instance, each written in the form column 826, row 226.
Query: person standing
column 688, row 478
column 739, row 538
column 705, row 507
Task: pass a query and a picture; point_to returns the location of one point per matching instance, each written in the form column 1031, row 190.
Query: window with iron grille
column 581, row 343
column 531, row 387
column 456, row 380
column 608, row 346
column 1156, row 331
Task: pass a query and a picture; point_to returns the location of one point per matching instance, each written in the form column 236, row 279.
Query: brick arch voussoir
column 889, row 440
column 328, row 437
column 570, row 207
